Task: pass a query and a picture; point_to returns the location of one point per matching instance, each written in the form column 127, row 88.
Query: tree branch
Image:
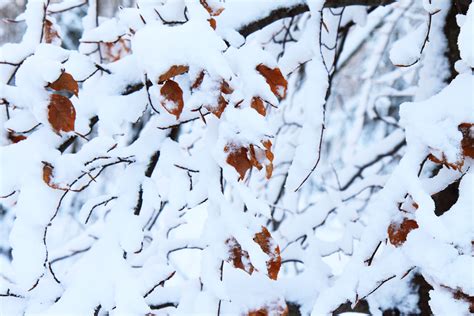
column 288, row 12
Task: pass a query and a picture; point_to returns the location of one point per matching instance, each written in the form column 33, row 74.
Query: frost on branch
column 209, row 157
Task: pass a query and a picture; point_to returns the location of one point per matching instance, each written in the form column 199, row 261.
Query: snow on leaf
column 61, row 113
column 173, row 98
column 398, row 232
column 275, row 80
column 65, row 82
column 238, row 257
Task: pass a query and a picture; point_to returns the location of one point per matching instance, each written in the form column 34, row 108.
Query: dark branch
column 289, row 12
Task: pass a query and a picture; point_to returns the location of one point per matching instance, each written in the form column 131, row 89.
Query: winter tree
column 237, row 157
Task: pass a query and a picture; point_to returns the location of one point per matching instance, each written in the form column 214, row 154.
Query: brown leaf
column 268, row 153
column 266, row 242
column 15, row 138
column 49, row 32
column 239, row 258
column 274, row 309
column 113, row 51
column 48, row 176
column 398, row 232
column 253, row 158
column 198, row 81
column 238, row 159
column 275, row 80
column 61, row 113
column 173, row 96
column 213, row 11
column 65, row 82
column 174, row 71
column 219, row 109
column 212, row 23
column 467, row 142
column 443, row 161
column 225, row 87
column 258, row 105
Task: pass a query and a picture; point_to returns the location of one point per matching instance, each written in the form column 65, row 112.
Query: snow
column 140, row 204
column 466, row 33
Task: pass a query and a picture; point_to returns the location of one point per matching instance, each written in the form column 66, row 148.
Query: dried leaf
column 49, row 32
column 213, row 11
column 212, row 23
column 198, row 81
column 268, row 246
column 275, row 80
column 15, row 138
column 225, row 87
column 48, row 176
column 173, row 98
column 238, row 159
column 467, row 142
column 239, row 258
column 61, row 113
column 258, row 105
column 253, row 158
column 114, row 51
column 268, row 153
column 219, row 109
column 174, row 71
column 278, row 308
column 398, row 232
column 443, row 161
column 65, row 82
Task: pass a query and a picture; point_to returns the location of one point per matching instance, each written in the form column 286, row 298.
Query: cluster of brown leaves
column 240, row 258
column 243, row 158
column 398, row 232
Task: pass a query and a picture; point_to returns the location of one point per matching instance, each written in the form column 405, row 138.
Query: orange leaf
column 398, row 232
column 239, row 258
column 174, row 71
column 198, row 81
column 274, row 309
column 212, row 11
column 61, row 113
column 219, row 109
column 65, row 82
column 15, row 138
column 238, row 159
column 225, row 88
column 265, row 240
column 212, row 23
column 258, row 105
column 49, row 32
column 48, row 176
column 467, row 142
column 275, row 80
column 173, row 96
